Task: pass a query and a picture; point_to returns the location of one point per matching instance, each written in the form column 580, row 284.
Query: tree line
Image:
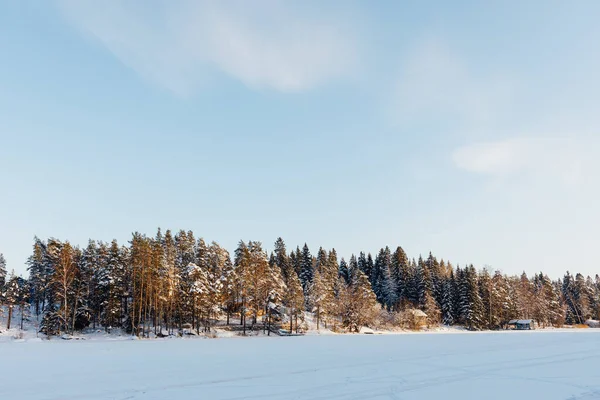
column 164, row 284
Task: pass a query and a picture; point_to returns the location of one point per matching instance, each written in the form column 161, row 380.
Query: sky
column 469, row 129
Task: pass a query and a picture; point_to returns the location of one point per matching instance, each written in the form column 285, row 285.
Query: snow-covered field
column 530, row 365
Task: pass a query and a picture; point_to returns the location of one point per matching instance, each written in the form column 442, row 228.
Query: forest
column 164, row 284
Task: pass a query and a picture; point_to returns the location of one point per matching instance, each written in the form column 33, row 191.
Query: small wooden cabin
column 521, row 324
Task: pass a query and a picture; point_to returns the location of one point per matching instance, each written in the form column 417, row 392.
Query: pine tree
column 344, row 271
column 12, row 292
column 364, row 265
column 422, row 281
column 384, row 290
column 485, row 292
column 323, row 295
column 229, row 288
column 63, row 280
column 357, row 304
column 306, row 270
column 282, row 260
column 471, row 304
column 449, row 301
column 399, row 277
column 332, row 263
column 321, row 263
column 434, row 315
column 296, row 261
column 2, row 272
column 37, row 277
column 352, row 268
column 242, row 263
column 294, row 299
column 118, row 287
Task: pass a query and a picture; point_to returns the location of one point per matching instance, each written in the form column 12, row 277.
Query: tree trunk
column 243, row 315
column 10, row 309
column 318, row 316
column 22, row 315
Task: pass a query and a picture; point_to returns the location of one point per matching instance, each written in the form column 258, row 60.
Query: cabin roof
column 519, row 321
column 417, row 313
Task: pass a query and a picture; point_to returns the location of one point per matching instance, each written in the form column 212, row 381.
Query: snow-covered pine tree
column 436, row 278
column 399, row 276
column 357, row 303
column 294, row 300
column 23, row 300
column 37, row 274
column 93, row 281
column 380, row 276
column 525, row 296
column 2, row 273
column 229, row 292
column 118, row 287
column 282, row 260
column 12, row 292
column 321, row 261
column 34, row 267
column 502, row 305
column 296, row 260
column 364, row 265
column 412, row 284
column 352, row 268
column 306, row 270
column 199, row 293
column 276, row 289
column 434, row 315
column 449, row 300
column 423, row 281
column 63, row 282
column 485, row 292
column 332, row 263
column 185, row 244
column 344, row 271
column 242, row 266
column 320, row 296
column 471, row 304
column 551, row 312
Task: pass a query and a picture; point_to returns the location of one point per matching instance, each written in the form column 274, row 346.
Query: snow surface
column 534, row 364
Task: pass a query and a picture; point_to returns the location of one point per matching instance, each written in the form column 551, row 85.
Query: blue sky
column 463, row 128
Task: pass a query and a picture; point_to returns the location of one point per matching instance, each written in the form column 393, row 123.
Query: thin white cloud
column 482, row 108
column 180, row 44
column 568, row 160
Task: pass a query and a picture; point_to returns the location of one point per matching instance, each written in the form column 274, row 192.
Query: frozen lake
column 531, row 365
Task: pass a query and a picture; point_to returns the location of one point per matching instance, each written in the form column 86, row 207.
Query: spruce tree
column 352, row 268
column 2, row 272
column 12, row 292
column 449, row 300
column 322, row 260
column 363, row 265
column 294, row 299
column 344, row 271
column 306, row 269
column 384, row 289
column 471, row 305
column 37, row 277
column 399, row 275
column 282, row 260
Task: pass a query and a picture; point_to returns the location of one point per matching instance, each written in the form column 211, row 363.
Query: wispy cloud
column 568, row 160
column 507, row 139
column 266, row 44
